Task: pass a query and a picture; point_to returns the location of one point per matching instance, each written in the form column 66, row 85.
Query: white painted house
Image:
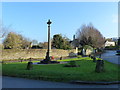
column 109, row 43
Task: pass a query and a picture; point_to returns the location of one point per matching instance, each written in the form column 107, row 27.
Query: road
column 111, row 56
column 10, row 82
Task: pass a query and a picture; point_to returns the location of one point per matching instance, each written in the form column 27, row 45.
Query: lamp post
column 49, row 43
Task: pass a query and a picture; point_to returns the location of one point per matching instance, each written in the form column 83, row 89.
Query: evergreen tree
column 60, row 42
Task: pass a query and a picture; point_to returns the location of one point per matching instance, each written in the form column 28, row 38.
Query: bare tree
column 89, row 35
column 3, row 30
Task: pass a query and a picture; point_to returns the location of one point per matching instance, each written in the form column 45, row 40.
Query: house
column 109, row 43
column 74, row 43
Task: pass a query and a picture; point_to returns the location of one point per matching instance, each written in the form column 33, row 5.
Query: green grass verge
column 75, row 59
column 57, row 72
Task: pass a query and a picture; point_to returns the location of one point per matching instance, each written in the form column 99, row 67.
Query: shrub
column 71, row 64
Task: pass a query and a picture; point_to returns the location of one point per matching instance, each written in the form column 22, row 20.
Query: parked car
column 118, row 52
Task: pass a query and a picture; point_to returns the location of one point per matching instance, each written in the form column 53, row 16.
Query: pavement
column 13, row 82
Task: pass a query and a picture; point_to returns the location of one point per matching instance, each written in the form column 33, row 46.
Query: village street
column 110, row 55
column 11, row 82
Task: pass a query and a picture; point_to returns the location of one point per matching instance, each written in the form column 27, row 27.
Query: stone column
column 49, row 43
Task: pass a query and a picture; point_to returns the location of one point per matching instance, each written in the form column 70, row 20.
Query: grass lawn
column 57, row 72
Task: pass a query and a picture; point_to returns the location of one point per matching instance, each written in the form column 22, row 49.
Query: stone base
column 99, row 66
column 47, row 62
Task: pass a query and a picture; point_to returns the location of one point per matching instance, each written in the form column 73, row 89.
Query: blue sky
column 30, row 18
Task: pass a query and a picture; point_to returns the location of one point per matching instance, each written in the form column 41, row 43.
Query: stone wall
column 9, row 54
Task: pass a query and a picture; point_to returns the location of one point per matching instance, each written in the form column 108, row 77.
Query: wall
column 9, row 54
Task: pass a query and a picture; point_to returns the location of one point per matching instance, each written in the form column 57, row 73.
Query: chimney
column 73, row 37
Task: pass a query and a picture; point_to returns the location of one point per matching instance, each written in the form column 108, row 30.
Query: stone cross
column 49, row 42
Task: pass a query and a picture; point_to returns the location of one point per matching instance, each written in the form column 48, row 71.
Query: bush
column 71, row 64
